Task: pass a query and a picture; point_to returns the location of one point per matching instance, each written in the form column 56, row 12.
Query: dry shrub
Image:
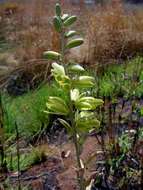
column 9, row 8
column 33, row 41
column 113, row 34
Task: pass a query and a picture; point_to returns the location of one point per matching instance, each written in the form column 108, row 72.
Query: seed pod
column 71, row 33
column 58, row 9
column 57, row 24
column 70, row 21
column 52, row 55
column 74, row 43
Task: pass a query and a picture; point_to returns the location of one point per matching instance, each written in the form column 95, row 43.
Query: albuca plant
column 80, row 108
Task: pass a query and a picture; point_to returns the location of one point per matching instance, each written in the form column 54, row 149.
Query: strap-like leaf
column 66, row 125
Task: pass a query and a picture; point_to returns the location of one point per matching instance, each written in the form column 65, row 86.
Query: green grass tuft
column 27, row 110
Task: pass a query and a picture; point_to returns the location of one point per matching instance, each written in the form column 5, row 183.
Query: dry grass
column 29, row 26
column 29, row 29
column 113, row 34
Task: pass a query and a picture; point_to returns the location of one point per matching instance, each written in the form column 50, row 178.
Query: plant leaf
column 76, row 68
column 52, row 55
column 57, row 105
column 57, row 24
column 86, row 121
column 66, row 125
column 74, row 43
column 71, row 33
column 58, row 9
column 70, row 20
column 65, row 16
column 88, row 103
column 84, row 82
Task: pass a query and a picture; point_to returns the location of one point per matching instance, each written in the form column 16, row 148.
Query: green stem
column 62, row 48
column 80, row 170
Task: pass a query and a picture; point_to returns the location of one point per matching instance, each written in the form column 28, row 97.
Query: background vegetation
column 112, row 53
